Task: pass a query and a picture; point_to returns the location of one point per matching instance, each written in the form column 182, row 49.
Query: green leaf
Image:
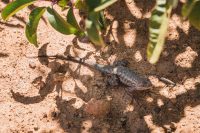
column 98, row 5
column 187, row 7
column 93, row 33
column 194, row 16
column 94, row 16
column 14, row 7
column 104, row 5
column 31, row 26
column 173, row 3
column 157, row 30
column 59, row 24
column 63, row 3
column 102, row 20
column 81, row 5
column 71, row 18
column 91, row 4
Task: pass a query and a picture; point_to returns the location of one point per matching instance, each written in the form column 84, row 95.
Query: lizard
column 117, row 73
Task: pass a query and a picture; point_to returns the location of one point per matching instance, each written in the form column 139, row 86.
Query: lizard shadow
column 171, row 111
column 50, row 86
column 44, row 89
column 165, row 67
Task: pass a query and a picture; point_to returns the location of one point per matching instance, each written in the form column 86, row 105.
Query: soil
column 41, row 95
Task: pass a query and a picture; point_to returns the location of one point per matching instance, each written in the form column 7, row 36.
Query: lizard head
column 145, row 85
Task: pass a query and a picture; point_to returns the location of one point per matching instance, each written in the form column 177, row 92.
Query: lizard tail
column 163, row 79
column 167, row 81
column 67, row 58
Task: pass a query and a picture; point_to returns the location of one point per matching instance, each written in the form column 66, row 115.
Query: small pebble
column 32, row 65
column 45, row 115
column 36, row 128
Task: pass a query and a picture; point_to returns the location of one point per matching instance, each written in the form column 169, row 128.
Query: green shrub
column 95, row 21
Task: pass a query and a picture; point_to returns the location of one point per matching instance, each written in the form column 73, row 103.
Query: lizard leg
column 112, row 80
column 131, row 95
column 129, row 91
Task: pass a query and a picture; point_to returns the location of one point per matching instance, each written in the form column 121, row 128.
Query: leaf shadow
column 172, row 110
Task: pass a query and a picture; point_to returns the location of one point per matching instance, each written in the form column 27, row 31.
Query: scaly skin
column 133, row 80
column 126, row 76
column 118, row 73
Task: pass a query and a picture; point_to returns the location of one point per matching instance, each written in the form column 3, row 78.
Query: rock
column 32, row 65
column 98, row 108
column 36, row 128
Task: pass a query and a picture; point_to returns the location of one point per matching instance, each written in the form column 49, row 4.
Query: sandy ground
column 53, row 96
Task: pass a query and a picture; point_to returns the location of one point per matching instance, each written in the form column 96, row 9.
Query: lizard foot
column 112, row 80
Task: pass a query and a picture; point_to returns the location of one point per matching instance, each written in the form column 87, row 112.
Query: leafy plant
column 95, row 20
column 157, row 29
column 93, row 10
column 159, row 23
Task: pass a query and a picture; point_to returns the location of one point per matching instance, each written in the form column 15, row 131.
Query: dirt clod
column 98, row 108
